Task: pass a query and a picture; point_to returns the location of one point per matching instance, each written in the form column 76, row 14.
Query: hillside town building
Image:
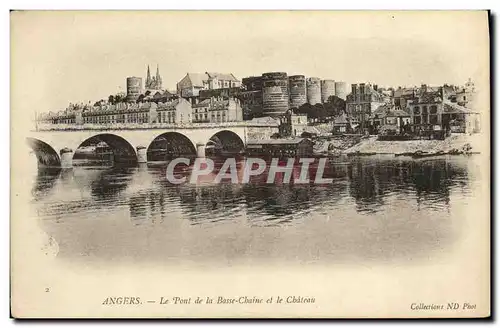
column 362, row 102
column 191, row 84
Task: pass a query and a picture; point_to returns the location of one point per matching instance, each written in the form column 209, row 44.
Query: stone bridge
column 55, row 145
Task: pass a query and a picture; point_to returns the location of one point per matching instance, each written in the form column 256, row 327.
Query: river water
column 376, row 209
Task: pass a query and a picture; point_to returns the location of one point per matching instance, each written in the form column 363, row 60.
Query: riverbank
column 336, row 145
column 455, row 144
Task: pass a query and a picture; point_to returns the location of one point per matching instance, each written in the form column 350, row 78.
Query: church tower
column 158, row 77
column 148, row 79
column 155, row 82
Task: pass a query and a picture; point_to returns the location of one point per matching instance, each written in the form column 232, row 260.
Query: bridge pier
column 66, row 157
column 200, row 150
column 142, row 156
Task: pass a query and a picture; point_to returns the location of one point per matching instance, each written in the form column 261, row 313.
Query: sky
column 63, row 57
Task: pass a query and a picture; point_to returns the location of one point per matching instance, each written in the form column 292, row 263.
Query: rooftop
column 428, row 98
column 203, row 103
column 403, row 92
column 265, row 119
column 197, row 79
column 389, row 110
column 222, row 76
column 452, row 108
column 169, row 104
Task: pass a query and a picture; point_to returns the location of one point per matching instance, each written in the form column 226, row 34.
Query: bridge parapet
column 147, row 126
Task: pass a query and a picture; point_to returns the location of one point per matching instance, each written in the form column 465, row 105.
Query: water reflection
column 369, row 183
column 44, row 182
column 362, row 189
column 429, row 180
column 110, row 183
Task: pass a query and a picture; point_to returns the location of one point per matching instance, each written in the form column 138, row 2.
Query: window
column 433, row 109
column 424, row 110
column 433, row 119
column 416, row 110
column 391, row 120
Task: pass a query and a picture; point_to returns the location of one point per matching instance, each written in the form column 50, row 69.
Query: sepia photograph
column 250, row 164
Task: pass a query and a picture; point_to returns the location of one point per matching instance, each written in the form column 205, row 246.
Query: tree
column 307, row 109
column 320, row 112
column 119, row 98
column 335, row 106
column 115, row 99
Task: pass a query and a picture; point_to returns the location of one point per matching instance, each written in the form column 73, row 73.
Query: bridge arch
column 123, row 151
column 170, row 145
column 45, row 154
column 225, row 142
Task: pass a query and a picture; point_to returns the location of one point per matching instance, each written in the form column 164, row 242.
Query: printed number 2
column 47, row 289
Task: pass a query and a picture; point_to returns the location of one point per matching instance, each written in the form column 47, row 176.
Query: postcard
column 250, row 164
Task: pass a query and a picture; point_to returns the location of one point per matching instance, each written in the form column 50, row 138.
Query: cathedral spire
column 148, row 78
column 158, row 77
